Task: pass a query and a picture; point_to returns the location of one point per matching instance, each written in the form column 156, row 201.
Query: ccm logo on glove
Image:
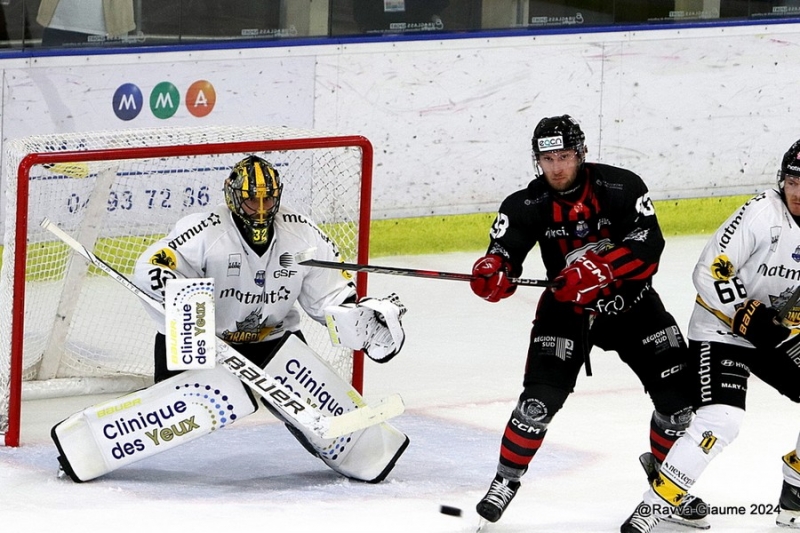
column 581, row 281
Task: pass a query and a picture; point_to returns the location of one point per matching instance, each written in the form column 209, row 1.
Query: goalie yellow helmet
column 253, row 194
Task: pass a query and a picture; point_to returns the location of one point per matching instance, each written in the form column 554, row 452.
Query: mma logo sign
column 165, row 99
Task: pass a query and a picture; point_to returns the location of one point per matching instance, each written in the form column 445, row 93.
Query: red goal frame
column 12, row 436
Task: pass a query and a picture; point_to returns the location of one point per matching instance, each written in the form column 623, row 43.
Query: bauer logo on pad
column 190, row 324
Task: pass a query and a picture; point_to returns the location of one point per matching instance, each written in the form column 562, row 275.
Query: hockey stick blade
column 368, row 415
column 787, row 306
column 272, row 390
column 302, row 259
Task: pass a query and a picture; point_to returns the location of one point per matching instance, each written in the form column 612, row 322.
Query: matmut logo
column 165, row 98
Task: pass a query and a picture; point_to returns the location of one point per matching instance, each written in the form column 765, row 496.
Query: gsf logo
column 165, row 99
column 284, row 273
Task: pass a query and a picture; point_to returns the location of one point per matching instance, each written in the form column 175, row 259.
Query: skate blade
column 700, row 523
column 481, row 525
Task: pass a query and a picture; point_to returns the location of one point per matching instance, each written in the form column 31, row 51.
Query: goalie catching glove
column 758, row 323
column 373, row 325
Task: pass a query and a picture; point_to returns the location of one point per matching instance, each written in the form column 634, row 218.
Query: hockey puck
column 448, row 510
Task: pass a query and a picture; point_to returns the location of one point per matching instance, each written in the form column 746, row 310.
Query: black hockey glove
column 759, row 324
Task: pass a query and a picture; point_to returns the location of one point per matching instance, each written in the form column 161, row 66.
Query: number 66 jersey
column 739, row 263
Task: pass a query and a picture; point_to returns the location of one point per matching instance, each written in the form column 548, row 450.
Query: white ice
column 459, row 373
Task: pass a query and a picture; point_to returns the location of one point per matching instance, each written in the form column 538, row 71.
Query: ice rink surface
column 459, row 373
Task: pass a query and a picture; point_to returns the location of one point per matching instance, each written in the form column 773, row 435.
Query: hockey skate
column 789, row 503
column 641, row 521
column 691, row 512
column 500, row 494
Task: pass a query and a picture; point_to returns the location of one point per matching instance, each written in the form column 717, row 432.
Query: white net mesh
column 84, row 332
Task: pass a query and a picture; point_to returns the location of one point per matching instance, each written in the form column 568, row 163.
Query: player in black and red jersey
column 600, row 242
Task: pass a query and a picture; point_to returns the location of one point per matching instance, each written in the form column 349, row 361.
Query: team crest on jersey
column 533, row 409
column 261, row 275
column 251, row 329
column 793, row 316
column 234, row 264
column 796, row 254
column 582, row 229
column 722, row 269
column 774, row 238
column 708, row 441
column 164, row 258
column 639, row 234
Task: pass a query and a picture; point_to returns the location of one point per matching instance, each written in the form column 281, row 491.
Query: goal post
column 67, row 330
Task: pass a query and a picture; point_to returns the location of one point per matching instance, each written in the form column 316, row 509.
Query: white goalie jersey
column 754, row 254
column 255, row 295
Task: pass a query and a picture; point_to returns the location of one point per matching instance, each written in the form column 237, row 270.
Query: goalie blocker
column 192, row 404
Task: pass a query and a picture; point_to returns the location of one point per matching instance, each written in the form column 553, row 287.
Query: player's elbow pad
column 373, row 325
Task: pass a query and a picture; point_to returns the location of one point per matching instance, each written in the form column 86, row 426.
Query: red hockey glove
column 491, row 278
column 582, row 280
column 758, row 323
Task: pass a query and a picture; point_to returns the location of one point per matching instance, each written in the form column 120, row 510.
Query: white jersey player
column 248, row 246
column 740, row 326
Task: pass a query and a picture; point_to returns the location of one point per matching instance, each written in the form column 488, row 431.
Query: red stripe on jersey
column 627, row 268
column 642, row 274
column 616, row 253
column 558, row 218
column 649, row 272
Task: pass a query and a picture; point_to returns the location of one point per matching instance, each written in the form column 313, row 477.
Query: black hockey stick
column 271, row 389
column 301, row 259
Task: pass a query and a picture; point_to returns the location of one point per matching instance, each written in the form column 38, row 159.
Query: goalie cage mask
column 253, row 194
column 790, row 165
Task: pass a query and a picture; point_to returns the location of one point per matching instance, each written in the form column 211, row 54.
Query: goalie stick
column 306, row 259
column 272, row 390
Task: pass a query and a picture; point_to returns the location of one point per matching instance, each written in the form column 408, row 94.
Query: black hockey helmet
column 254, row 181
column 558, row 133
column 790, row 165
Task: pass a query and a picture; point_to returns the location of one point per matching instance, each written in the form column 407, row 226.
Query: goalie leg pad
column 112, row 434
column 365, row 455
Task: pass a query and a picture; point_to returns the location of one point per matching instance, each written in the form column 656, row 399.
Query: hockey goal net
column 65, row 329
